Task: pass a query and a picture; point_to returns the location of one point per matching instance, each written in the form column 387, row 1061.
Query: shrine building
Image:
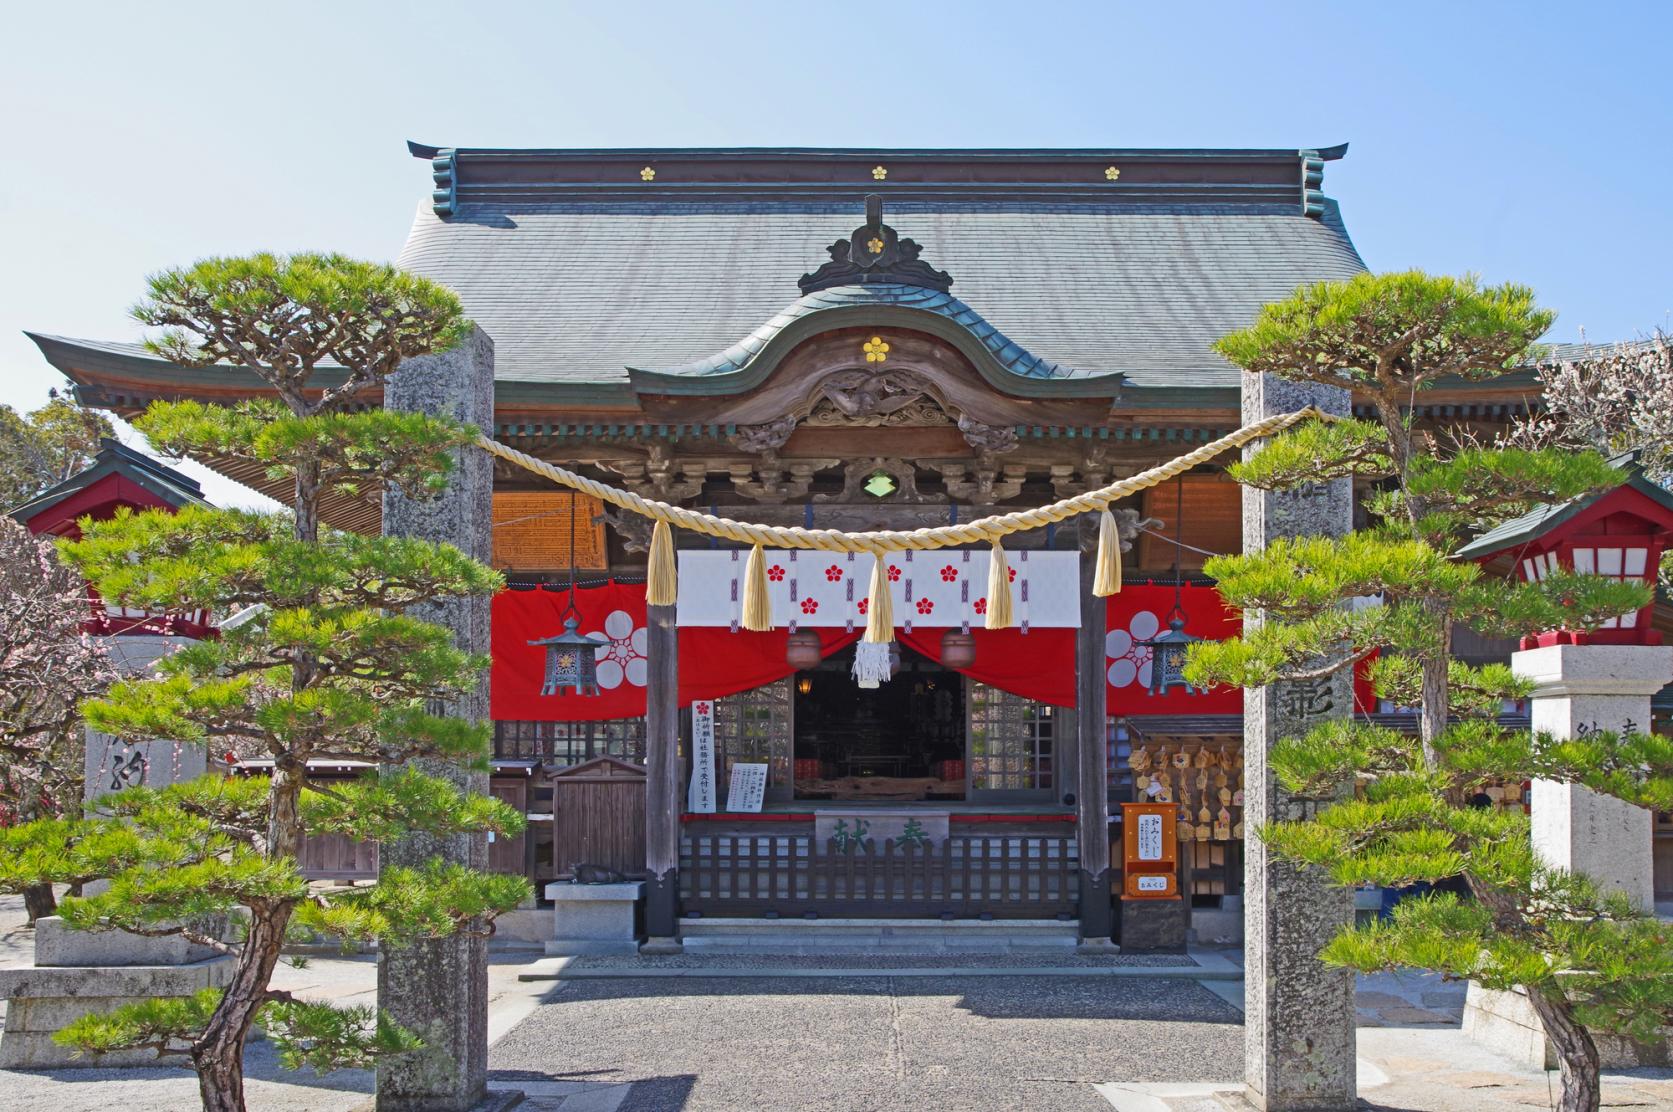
column 860, row 339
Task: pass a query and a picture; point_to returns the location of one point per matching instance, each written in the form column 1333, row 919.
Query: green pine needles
column 324, row 664
column 1396, row 809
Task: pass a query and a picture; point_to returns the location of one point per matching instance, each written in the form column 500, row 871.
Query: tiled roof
column 577, row 292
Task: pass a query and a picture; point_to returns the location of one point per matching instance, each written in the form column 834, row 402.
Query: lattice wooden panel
column 531, row 530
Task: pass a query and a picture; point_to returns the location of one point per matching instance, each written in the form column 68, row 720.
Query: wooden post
column 663, row 804
column 1092, row 826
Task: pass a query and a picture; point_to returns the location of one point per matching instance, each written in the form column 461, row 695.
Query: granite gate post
column 1298, row 1014
column 439, row 988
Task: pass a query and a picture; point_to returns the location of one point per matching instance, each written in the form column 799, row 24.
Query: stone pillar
column 663, row 795
column 113, row 763
column 1580, row 689
column 1092, row 807
column 1298, row 1014
column 439, row 988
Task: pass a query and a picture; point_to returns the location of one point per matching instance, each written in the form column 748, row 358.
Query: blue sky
column 1519, row 141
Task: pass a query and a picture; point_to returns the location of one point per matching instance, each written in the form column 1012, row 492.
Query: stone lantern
column 1583, row 683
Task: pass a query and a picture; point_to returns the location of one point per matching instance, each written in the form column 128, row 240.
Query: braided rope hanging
column 986, row 530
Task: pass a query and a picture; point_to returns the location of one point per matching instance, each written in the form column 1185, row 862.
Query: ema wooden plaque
column 531, row 531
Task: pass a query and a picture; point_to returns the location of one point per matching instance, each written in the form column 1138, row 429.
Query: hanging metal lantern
column 958, row 649
column 571, row 657
column 1168, row 650
column 1167, row 656
column 571, row 662
column 803, row 649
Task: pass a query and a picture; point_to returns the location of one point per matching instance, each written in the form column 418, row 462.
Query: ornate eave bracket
column 875, row 253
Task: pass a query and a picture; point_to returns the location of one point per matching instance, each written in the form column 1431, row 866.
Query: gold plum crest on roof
column 875, row 245
column 878, row 173
column 647, row 174
column 876, row 349
column 1112, row 173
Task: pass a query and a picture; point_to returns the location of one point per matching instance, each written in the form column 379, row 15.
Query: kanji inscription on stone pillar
column 1298, row 1013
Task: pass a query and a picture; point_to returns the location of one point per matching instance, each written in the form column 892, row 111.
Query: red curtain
column 1040, row 664
column 713, row 662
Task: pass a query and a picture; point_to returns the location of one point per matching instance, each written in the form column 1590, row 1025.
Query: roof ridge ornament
column 875, row 253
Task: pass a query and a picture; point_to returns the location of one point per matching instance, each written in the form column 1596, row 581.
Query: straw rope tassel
column 1106, row 579
column 880, row 605
column 999, row 590
column 662, row 580
column 758, row 608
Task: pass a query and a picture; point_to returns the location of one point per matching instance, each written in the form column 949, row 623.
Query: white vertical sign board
column 1150, row 837
column 748, row 787
column 700, row 797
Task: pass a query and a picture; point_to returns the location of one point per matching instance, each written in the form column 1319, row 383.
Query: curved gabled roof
column 1005, row 363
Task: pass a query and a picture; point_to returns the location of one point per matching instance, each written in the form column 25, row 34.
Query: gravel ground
column 1044, row 959
column 853, row 1045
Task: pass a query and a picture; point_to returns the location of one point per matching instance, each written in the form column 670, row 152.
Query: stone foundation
column 1505, row 1022
column 595, row 918
column 1154, row 926
column 44, row 999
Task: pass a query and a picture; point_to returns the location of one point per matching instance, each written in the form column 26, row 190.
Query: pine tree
column 321, row 664
column 1399, row 809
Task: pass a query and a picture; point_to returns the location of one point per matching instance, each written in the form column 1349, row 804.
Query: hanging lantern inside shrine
column 958, row 649
column 1167, row 656
column 571, row 662
column 803, row 649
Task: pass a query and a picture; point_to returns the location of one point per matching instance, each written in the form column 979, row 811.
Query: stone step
column 895, row 936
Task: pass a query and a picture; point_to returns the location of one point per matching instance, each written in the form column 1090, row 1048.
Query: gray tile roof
column 577, row 293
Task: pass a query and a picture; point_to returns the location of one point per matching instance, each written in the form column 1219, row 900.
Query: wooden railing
column 997, row 876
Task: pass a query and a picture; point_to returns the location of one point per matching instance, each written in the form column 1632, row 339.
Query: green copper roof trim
column 1005, row 364
column 1541, row 519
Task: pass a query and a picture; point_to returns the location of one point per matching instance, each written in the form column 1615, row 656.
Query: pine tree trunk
column 218, row 1053
column 38, row 900
column 1436, row 698
column 306, row 503
column 1576, row 1054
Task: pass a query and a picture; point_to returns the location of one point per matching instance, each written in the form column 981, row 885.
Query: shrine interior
column 903, row 740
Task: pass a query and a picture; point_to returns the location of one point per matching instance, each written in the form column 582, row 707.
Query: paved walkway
column 692, row 1035
column 854, row 1044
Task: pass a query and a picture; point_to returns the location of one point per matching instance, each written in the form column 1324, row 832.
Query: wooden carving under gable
column 868, row 399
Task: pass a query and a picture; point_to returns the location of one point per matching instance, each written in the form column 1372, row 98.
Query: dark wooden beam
column 1092, row 808
column 662, row 780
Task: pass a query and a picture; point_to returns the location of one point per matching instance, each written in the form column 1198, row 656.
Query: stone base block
column 662, row 946
column 1216, row 926
column 58, row 945
column 576, row 948
column 1506, row 1023
column 1154, row 926
column 595, row 918
column 42, row 1000
column 523, row 926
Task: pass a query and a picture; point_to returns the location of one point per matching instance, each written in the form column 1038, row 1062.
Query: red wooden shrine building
column 862, row 339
